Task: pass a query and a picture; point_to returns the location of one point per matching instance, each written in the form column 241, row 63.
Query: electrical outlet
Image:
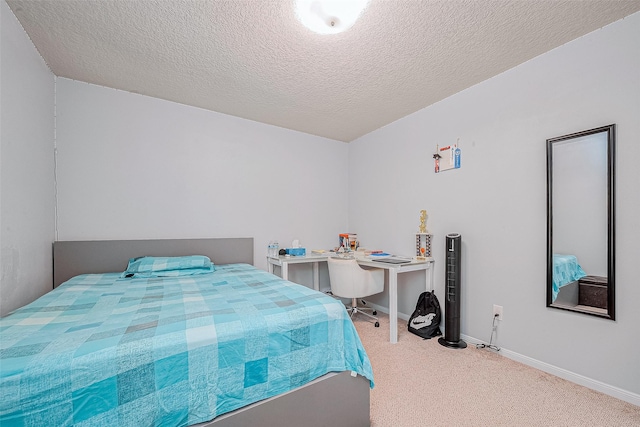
column 497, row 309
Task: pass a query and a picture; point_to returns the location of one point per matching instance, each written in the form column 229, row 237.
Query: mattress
column 105, row 350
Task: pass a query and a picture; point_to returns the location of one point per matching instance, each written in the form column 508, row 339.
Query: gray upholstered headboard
column 71, row 258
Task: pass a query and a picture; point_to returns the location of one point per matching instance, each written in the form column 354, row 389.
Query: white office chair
column 349, row 280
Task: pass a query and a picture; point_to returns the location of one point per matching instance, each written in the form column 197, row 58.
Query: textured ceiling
column 253, row 59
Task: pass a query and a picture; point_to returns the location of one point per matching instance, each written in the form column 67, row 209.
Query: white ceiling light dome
column 329, row 16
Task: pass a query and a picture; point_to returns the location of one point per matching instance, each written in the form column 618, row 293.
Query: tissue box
column 297, row 251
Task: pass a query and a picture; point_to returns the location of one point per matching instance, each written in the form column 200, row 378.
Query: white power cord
column 493, row 330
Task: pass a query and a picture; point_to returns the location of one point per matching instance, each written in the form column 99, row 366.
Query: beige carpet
column 421, row 383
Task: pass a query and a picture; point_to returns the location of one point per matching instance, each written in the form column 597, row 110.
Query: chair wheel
column 375, row 312
column 377, row 325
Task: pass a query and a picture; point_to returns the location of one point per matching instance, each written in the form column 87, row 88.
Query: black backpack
column 425, row 320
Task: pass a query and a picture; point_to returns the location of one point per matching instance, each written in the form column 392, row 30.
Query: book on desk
column 393, row 260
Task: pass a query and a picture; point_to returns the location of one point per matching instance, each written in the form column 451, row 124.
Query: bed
column 235, row 346
column 566, row 270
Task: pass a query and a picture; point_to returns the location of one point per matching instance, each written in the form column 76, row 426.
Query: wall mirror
column 581, row 222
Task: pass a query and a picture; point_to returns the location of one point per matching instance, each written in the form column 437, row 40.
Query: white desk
column 393, row 269
column 284, row 261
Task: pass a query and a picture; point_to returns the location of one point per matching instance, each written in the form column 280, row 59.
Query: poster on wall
column 447, row 158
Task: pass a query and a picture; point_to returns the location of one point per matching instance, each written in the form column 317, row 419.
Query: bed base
column 335, row 399
column 568, row 295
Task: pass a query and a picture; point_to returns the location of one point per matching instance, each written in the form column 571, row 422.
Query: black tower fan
column 452, row 301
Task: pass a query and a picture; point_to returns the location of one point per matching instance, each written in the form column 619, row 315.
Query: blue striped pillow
column 168, row 266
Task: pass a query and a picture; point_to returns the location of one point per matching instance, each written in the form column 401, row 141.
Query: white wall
column 135, row 167
column 26, row 160
column 497, row 199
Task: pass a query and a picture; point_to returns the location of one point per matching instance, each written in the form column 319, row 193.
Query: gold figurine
column 423, row 221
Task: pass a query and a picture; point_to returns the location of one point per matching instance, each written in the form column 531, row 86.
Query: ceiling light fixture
column 329, row 16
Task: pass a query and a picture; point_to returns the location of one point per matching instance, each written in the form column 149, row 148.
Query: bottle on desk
column 272, row 249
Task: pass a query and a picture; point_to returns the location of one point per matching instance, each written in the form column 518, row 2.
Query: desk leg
column 269, row 266
column 316, row 277
column 393, row 306
column 285, row 270
column 429, row 277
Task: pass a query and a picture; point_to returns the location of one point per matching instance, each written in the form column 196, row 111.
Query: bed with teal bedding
column 108, row 350
column 565, row 270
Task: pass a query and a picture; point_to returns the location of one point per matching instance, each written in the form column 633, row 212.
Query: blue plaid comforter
column 105, row 351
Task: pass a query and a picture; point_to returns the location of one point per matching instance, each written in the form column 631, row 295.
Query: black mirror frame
column 611, row 140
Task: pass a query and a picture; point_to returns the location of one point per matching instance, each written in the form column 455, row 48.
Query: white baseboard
column 607, row 389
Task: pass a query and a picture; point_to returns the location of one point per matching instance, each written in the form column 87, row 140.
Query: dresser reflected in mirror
column 581, row 222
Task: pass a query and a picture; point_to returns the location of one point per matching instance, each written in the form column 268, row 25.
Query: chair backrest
column 349, row 280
